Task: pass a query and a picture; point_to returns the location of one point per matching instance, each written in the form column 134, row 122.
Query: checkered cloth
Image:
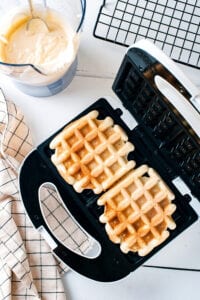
column 28, row 270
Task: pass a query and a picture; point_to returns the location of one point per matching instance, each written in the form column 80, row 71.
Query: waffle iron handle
column 108, row 266
column 172, row 67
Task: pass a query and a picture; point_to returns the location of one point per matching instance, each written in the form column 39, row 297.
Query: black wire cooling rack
column 173, row 25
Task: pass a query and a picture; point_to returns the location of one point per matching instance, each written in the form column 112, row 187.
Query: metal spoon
column 36, row 22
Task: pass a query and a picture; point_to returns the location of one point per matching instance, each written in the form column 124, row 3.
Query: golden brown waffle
column 138, row 210
column 92, row 153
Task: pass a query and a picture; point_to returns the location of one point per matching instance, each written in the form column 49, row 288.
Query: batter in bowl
column 48, row 48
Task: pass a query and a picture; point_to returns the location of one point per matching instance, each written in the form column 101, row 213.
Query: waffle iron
column 164, row 104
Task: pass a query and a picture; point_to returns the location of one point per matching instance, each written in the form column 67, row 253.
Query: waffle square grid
column 92, row 153
column 138, row 210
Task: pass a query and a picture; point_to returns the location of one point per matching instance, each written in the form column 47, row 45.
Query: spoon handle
column 45, row 3
column 31, row 7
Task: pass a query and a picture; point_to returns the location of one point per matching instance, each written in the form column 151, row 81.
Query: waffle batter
column 49, row 45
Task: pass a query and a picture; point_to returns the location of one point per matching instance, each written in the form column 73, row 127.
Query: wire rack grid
column 173, row 25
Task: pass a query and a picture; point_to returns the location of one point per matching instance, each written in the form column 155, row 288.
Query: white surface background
column 98, row 63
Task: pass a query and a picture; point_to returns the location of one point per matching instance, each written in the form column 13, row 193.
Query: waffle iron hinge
column 186, row 192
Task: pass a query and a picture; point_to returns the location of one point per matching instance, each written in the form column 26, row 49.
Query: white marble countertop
column 97, row 65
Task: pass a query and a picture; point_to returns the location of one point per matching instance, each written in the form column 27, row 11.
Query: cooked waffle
column 138, row 211
column 92, row 153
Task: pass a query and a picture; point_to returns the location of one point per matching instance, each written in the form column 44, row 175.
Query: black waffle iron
column 164, row 104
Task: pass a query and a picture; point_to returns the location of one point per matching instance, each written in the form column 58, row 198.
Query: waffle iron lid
column 158, row 118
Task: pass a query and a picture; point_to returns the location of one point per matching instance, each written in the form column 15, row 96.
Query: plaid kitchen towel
column 28, row 270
